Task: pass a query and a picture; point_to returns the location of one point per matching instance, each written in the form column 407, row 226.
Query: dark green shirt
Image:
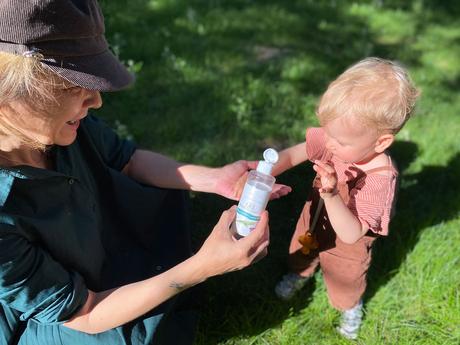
column 83, row 226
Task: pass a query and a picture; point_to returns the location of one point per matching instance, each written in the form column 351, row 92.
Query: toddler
column 352, row 196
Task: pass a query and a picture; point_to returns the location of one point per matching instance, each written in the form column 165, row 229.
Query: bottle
column 255, row 195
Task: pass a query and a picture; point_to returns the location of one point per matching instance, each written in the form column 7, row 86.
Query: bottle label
column 252, row 203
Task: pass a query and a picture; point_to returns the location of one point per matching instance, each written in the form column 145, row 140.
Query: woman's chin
column 64, row 140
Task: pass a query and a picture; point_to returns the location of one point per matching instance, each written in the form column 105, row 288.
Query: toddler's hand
column 328, row 178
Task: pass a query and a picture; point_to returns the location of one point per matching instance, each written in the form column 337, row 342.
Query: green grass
column 221, row 80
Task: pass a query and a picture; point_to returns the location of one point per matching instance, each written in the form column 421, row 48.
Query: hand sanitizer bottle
column 255, row 195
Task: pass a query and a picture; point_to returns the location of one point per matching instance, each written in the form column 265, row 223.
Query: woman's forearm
column 155, row 169
column 108, row 309
column 345, row 224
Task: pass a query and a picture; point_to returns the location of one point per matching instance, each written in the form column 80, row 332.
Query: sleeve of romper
column 371, row 201
column 316, row 143
column 34, row 284
column 116, row 152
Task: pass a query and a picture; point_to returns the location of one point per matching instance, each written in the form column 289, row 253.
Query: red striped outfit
column 369, row 195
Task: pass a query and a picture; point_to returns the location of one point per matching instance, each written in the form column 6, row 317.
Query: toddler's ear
column 383, row 142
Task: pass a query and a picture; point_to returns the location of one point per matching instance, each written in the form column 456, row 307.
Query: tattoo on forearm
column 179, row 286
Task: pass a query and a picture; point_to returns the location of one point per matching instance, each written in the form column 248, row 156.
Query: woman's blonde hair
column 377, row 92
column 26, row 80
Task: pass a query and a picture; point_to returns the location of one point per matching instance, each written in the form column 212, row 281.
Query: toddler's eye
column 342, row 144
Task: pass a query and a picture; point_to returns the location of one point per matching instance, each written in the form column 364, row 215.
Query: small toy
column 308, row 239
column 308, row 242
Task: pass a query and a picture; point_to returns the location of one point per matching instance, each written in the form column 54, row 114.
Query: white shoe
column 289, row 285
column 351, row 321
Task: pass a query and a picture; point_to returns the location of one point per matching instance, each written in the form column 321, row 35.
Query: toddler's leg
column 289, row 284
column 351, row 321
column 301, row 266
column 344, row 270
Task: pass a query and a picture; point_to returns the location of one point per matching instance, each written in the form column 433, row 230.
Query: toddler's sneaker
column 289, row 285
column 351, row 321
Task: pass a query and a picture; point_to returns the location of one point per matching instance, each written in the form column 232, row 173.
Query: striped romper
column 370, row 197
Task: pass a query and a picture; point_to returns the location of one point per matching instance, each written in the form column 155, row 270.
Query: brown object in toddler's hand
column 308, row 242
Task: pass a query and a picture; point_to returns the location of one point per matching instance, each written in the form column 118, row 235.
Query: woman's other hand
column 222, row 253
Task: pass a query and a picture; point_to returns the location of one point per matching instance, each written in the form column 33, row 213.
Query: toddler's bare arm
column 290, row 157
column 345, row 224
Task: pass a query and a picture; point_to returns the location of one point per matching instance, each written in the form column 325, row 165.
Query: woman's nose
column 93, row 99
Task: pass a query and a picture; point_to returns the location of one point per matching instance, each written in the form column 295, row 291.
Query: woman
column 94, row 243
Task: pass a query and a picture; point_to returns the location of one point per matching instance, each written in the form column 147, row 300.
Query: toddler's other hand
column 279, row 190
column 328, row 178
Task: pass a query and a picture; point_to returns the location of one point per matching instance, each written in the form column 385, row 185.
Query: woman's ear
column 383, row 142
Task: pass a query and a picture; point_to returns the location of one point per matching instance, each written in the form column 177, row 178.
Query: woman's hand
column 230, row 180
column 222, row 253
column 328, row 178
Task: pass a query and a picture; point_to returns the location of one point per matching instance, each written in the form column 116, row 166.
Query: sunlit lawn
column 219, row 81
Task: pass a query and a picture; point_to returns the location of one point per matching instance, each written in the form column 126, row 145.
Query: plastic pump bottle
column 255, row 195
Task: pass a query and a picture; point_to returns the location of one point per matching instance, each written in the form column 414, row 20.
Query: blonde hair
column 26, row 80
column 378, row 92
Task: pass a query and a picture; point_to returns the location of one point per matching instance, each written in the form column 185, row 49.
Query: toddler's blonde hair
column 377, row 92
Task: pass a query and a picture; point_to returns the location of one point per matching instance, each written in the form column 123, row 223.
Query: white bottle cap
column 270, row 158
